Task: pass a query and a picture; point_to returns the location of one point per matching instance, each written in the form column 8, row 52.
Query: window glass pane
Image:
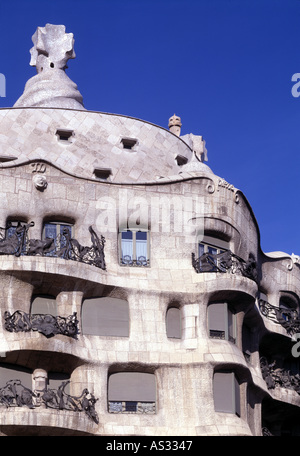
column 141, row 245
column 141, row 235
column 212, row 250
column 50, row 230
column 65, row 228
column 127, row 245
column 201, row 250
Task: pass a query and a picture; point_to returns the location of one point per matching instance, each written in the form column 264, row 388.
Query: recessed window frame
column 132, row 395
column 174, row 323
column 227, row 393
column 223, row 323
column 134, row 260
column 120, row 326
column 212, row 245
column 58, row 227
column 53, row 308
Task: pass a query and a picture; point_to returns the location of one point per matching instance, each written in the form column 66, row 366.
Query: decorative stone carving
column 275, row 376
column 51, row 87
column 63, row 246
column 48, row 325
column 197, row 144
column 288, row 318
column 40, row 182
column 175, row 125
column 14, row 394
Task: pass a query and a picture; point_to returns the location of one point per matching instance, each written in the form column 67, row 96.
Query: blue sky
column 224, row 66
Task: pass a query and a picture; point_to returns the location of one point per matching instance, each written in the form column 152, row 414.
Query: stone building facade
column 135, row 297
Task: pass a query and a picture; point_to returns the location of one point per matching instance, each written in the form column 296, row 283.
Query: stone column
column 39, row 384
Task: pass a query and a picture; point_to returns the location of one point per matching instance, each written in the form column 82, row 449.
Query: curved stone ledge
column 47, row 419
column 139, row 278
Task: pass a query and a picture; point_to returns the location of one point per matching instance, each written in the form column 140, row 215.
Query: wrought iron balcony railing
column 14, row 394
column 141, row 261
column 225, row 262
column 131, row 407
column 275, row 376
column 46, row 324
column 288, row 318
column 17, row 242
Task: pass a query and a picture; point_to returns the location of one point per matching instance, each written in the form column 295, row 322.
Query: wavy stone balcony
column 15, row 394
column 46, row 324
column 225, row 262
column 15, row 241
column 287, row 318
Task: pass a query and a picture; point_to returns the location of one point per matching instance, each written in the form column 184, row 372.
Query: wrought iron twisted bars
column 14, row 394
column 46, row 324
column 275, row 376
column 288, row 318
column 225, row 262
column 62, row 246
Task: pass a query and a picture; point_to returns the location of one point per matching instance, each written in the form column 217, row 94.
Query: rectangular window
column 134, row 248
column 213, row 247
column 227, row 393
column 59, row 231
column 221, row 322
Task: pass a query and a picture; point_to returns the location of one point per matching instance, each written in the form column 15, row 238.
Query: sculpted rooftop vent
column 181, row 160
column 64, row 135
column 102, row 173
column 128, row 143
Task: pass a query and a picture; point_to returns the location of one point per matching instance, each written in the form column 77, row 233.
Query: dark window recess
column 181, row 160
column 128, row 143
column 64, row 135
column 130, row 406
column 102, row 173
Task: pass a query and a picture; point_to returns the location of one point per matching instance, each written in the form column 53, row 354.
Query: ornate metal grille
column 225, row 262
column 131, row 407
column 15, row 241
column 288, row 318
column 275, row 376
column 43, row 323
column 14, row 394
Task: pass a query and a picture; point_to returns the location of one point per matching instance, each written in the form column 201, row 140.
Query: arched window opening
column 13, row 373
column 173, row 323
column 44, row 305
column 132, row 392
column 105, row 317
column 134, row 247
